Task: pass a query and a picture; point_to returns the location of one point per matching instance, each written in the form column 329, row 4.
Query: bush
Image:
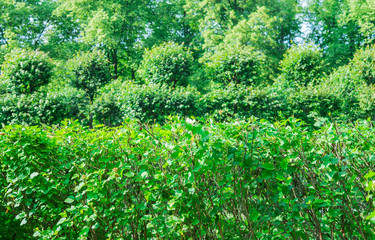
column 153, row 102
column 238, row 101
column 363, row 64
column 43, row 108
column 169, row 63
column 90, row 71
column 234, row 180
column 24, row 71
column 312, row 102
column 301, row 65
column 365, row 97
column 239, row 65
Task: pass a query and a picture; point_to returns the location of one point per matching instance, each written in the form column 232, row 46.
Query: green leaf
column 144, row 175
column 268, row 166
column 23, row 222
column 129, row 174
column 70, row 199
column 371, row 217
column 309, row 199
column 196, row 169
column 84, row 231
column 34, row 174
column 370, row 174
column 61, row 221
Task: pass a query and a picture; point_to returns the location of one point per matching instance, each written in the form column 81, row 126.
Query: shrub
column 365, row 97
column 302, row 65
column 312, row 102
column 363, row 64
column 24, row 71
column 43, row 108
column 90, row 71
column 153, row 102
column 169, row 63
column 238, row 64
column 239, row 101
column 232, row 180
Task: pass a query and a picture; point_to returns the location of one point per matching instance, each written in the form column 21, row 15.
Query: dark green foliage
column 331, row 98
column 10, row 227
column 153, row 102
column 312, row 102
column 24, row 71
column 233, row 180
column 301, row 65
column 90, row 71
column 170, row 63
column 238, row 64
column 41, row 107
column 239, row 101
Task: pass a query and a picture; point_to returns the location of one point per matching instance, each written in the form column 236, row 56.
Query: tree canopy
column 125, row 29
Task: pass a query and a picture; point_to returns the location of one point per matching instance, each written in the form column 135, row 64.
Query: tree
column 238, row 64
column 217, row 18
column 24, row 23
column 90, row 71
column 363, row 12
column 259, row 31
column 331, row 28
column 112, row 25
column 302, row 64
column 167, row 20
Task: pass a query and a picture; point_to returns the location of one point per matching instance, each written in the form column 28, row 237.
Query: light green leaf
column 34, row 174
column 61, row 221
column 70, row 199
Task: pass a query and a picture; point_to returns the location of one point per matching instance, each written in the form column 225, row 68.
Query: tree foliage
column 363, row 12
column 333, row 29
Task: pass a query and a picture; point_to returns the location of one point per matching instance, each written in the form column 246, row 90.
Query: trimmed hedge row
column 121, row 100
column 154, row 102
column 184, row 180
column 43, row 108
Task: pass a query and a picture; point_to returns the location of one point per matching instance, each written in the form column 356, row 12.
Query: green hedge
column 330, row 99
column 43, row 107
column 153, row 102
column 239, row 101
column 184, row 180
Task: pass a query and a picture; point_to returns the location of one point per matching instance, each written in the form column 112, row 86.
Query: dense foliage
column 138, row 68
column 153, row 102
column 237, row 64
column 302, row 64
column 169, row 63
column 90, row 71
column 24, row 71
column 42, row 107
column 238, row 180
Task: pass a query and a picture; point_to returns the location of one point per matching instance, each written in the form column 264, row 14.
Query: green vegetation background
column 136, row 65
